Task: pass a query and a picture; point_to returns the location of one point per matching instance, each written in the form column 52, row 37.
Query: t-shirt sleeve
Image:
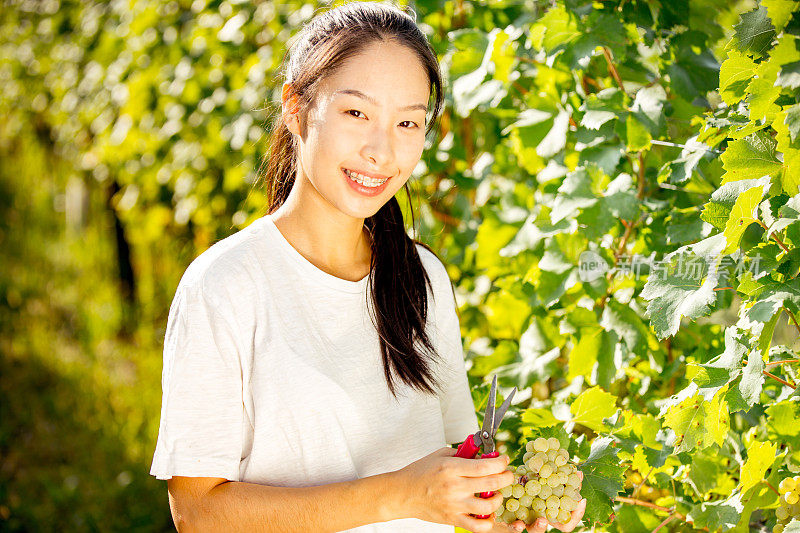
column 458, row 410
column 200, row 431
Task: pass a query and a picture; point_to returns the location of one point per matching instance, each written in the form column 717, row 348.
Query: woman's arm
column 437, row 488
column 215, row 504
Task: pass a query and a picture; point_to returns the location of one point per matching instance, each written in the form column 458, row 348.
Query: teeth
column 364, row 180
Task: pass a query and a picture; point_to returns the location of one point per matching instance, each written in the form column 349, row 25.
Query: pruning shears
column 483, row 440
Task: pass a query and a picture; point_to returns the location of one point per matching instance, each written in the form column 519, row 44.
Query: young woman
column 313, row 365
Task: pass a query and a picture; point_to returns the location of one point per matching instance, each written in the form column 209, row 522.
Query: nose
column 378, row 146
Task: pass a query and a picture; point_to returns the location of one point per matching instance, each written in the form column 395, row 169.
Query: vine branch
column 791, row 315
column 612, row 69
column 773, row 376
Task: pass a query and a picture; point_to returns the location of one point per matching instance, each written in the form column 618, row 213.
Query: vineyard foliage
column 605, row 178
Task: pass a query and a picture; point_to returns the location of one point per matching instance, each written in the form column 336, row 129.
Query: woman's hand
column 540, row 524
column 442, row 488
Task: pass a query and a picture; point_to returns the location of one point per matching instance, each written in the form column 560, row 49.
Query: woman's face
column 368, row 117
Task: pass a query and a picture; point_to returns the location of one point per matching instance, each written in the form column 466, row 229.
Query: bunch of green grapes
column 547, row 485
column 789, row 506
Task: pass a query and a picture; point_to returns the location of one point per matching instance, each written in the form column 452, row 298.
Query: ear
column 290, row 106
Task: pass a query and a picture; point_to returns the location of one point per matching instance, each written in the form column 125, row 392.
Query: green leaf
column 780, row 11
column 742, row 215
column 750, row 158
column 716, row 214
column 735, row 74
column 720, row 515
column 755, row 32
column 637, row 137
column 560, row 27
column 792, row 122
column 683, row 285
column 760, row 456
column 602, row 480
column 538, row 417
column 698, row 423
column 575, row 193
column 592, row 406
column 789, row 76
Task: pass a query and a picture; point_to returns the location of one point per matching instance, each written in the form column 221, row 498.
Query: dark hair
column 397, row 278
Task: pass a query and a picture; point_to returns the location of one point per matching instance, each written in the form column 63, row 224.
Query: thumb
column 539, row 526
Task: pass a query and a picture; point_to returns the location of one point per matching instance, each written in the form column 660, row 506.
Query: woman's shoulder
column 228, row 263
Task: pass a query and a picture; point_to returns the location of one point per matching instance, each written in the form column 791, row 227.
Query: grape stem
column 773, row 376
column 791, row 315
column 784, row 361
column 612, row 69
column 666, row 521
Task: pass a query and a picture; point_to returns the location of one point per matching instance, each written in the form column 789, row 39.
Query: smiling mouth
column 364, row 180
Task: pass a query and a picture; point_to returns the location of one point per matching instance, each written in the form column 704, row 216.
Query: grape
column 574, row 480
column 547, row 485
column 787, row 485
column 532, row 487
column 535, row 464
column 789, row 508
column 782, row 513
column 568, row 503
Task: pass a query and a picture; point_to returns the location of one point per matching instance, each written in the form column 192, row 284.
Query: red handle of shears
column 469, row 450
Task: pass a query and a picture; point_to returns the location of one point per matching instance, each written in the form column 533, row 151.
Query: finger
column 485, row 506
column 580, row 473
column 576, row 517
column 481, row 467
column 476, row 525
column 517, row 525
column 539, row 526
column 491, row 483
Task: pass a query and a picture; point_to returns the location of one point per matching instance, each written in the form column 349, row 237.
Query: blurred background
column 131, row 134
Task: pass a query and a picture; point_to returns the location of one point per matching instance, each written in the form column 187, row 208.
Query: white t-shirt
column 273, row 374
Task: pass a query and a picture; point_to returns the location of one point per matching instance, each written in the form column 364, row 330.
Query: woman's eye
column 415, row 125
column 351, row 111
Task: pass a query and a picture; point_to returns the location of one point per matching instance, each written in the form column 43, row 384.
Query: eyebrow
column 359, row 94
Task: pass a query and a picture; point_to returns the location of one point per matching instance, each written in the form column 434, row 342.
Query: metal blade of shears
column 500, row 413
column 489, row 414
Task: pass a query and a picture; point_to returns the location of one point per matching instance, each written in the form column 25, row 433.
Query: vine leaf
column 750, row 158
column 698, row 423
column 760, row 455
column 723, row 514
column 742, row 215
column 754, row 32
column 602, row 480
column 592, row 406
